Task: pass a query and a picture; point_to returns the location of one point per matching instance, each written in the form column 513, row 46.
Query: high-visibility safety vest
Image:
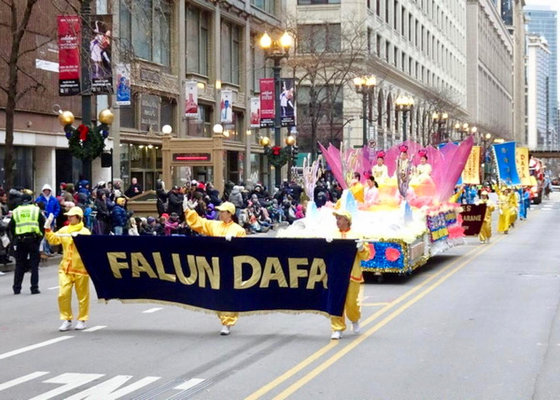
column 27, row 220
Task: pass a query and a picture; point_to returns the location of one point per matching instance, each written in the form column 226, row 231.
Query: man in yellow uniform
column 351, row 308
column 26, row 227
column 71, row 271
column 225, row 227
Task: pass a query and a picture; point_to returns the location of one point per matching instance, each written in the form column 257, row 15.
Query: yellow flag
column 471, row 172
column 522, row 163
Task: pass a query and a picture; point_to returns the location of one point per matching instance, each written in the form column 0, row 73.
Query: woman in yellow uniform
column 71, row 272
column 356, row 188
column 504, row 221
column 351, row 307
column 486, row 230
column 225, row 227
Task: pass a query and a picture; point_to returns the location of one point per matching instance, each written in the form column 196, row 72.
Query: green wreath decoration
column 277, row 155
column 86, row 143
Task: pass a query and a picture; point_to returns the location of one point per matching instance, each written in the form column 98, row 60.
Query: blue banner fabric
column 505, row 161
column 246, row 275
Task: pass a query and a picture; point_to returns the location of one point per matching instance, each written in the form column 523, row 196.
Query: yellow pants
column 504, row 222
column 485, row 231
column 81, row 283
column 228, row 318
column 351, row 308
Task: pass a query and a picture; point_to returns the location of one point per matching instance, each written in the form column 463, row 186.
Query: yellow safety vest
column 27, row 220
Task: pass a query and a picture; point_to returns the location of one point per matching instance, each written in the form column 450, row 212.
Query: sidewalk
column 51, row 262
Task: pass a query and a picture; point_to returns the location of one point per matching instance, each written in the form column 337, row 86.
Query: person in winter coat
column 134, row 189
column 171, row 225
column 211, row 212
column 236, row 198
column 120, row 216
column 103, row 215
column 84, row 187
column 71, row 272
column 161, row 197
column 52, row 206
column 175, row 204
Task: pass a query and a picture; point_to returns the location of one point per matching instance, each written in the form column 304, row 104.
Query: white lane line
column 189, row 384
column 23, row 379
column 33, row 347
column 95, row 328
column 53, row 288
column 152, row 310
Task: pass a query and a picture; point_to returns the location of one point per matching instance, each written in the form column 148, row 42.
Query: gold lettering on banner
column 205, row 270
column 164, row 276
column 317, row 273
column 273, row 272
column 179, row 270
column 296, row 273
column 116, row 265
column 256, row 272
column 140, row 264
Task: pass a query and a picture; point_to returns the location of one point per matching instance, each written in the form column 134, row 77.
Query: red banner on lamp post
column 267, row 102
column 69, row 55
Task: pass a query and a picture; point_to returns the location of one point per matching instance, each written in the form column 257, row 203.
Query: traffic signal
column 294, row 154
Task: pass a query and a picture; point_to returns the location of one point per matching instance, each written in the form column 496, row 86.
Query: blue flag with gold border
column 504, row 154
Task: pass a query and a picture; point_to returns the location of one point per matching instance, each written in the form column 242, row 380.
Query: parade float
column 408, row 218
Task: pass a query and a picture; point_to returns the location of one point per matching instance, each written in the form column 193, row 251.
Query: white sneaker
column 225, row 330
column 66, row 325
column 336, row 335
column 80, row 326
column 356, row 328
column 2, row 273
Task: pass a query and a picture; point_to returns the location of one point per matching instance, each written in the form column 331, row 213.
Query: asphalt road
column 480, row 322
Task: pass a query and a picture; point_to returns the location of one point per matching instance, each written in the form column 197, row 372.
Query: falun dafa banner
column 522, row 163
column 471, row 172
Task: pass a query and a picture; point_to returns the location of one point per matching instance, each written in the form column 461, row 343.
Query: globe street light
column 276, row 50
column 364, row 86
column 404, row 104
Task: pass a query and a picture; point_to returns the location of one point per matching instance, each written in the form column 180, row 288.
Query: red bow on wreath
column 83, row 131
column 276, row 150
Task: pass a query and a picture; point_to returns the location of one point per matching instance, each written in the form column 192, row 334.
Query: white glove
column 229, row 237
column 501, row 211
column 49, row 221
column 329, row 239
column 74, row 234
column 185, row 204
column 360, row 245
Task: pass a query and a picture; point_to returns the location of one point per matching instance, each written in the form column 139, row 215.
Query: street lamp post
column 440, row 119
column 85, row 14
column 404, row 104
column 364, row 86
column 464, row 129
column 276, row 50
column 486, row 139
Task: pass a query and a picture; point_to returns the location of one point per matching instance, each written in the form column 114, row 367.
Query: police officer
column 27, row 228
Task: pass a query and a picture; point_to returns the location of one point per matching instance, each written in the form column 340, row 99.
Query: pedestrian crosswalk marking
column 189, row 384
column 53, row 288
column 152, row 310
column 95, row 328
column 33, row 347
column 108, row 389
column 20, row 380
column 69, row 381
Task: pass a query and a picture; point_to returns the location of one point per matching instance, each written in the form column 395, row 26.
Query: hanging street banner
column 267, row 102
column 522, row 163
column 471, row 172
column 504, row 155
column 191, row 99
column 473, row 217
column 123, row 85
column 286, row 98
column 101, row 69
column 255, row 112
column 69, row 40
column 245, row 275
column 226, row 111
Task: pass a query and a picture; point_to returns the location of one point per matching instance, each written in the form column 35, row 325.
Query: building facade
column 413, row 48
column 166, row 43
column 490, row 91
column 538, row 59
column 543, row 21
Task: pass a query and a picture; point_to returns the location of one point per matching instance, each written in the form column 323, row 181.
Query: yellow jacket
column 356, row 274
column 358, row 192
column 213, row 228
column 71, row 261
